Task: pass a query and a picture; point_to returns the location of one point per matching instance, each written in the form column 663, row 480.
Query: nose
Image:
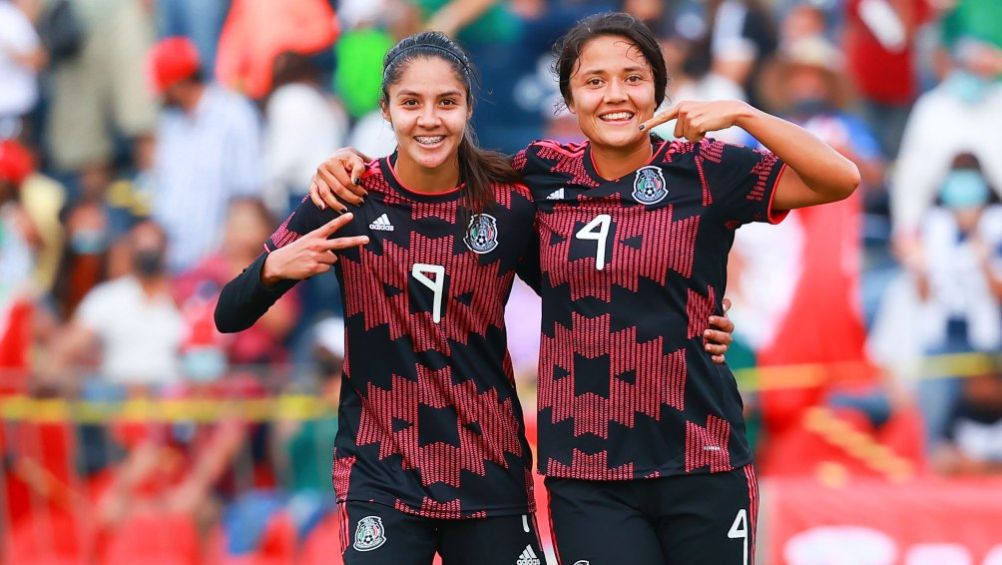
column 615, row 92
column 428, row 117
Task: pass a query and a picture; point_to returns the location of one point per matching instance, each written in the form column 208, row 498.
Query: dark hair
column 478, row 168
column 616, row 24
column 290, row 67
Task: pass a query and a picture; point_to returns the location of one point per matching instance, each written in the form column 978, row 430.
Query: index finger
column 661, row 118
column 332, row 226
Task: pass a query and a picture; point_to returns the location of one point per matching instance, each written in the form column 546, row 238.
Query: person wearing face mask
column 959, row 279
column 961, row 114
column 131, row 322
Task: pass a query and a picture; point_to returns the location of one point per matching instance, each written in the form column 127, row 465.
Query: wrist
column 744, row 113
column 269, row 273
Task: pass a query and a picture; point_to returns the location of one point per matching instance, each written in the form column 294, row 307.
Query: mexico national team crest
column 369, row 534
column 649, row 185
column 482, row 235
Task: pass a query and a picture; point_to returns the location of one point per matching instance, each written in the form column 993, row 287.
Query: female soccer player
column 430, row 454
column 641, row 436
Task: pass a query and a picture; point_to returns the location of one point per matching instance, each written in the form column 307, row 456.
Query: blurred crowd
column 150, row 146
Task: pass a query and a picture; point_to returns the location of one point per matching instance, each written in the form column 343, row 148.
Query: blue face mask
column 89, row 242
column 964, row 189
column 967, row 87
column 203, row 364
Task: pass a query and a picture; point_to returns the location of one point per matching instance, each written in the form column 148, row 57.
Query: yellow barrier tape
column 301, row 407
column 285, row 407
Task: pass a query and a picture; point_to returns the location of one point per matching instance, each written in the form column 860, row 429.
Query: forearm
column 246, row 298
column 821, row 168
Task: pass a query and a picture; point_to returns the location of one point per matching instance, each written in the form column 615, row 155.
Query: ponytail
column 480, row 169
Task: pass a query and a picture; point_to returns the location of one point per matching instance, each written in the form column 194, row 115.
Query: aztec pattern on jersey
column 631, row 270
column 429, row 422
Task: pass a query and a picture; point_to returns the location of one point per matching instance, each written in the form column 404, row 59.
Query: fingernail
column 641, row 127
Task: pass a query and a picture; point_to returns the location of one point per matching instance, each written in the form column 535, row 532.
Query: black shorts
column 374, row 533
column 680, row 520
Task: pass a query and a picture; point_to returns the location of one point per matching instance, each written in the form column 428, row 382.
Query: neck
column 422, row 179
column 615, row 162
column 193, row 97
column 151, row 286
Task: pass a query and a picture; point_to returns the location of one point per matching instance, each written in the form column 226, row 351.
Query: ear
column 570, row 106
column 384, row 110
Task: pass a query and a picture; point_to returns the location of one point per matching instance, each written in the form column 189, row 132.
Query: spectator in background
column 101, row 92
column 208, row 151
column 978, row 19
column 248, row 223
column 810, row 261
column 43, row 198
column 199, row 20
column 131, row 323
column 958, row 275
column 18, row 244
column 696, row 75
column 880, row 48
column 973, row 435
column 962, row 114
column 86, row 250
column 303, row 125
column 21, row 58
column 257, row 31
column 745, row 32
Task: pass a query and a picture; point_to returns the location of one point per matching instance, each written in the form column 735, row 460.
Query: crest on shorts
column 482, row 234
column 649, row 186
column 369, row 534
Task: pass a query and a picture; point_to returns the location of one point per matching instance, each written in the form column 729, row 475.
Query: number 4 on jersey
column 598, row 231
column 739, row 530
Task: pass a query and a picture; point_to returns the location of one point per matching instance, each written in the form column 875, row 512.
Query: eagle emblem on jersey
column 369, row 534
column 649, row 185
column 482, row 234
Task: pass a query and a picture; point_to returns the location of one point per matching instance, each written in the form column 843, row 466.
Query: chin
column 618, row 139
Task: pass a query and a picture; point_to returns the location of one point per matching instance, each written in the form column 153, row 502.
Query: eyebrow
column 418, row 94
column 586, row 72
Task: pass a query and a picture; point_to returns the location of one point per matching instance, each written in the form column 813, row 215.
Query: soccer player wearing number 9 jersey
column 430, row 454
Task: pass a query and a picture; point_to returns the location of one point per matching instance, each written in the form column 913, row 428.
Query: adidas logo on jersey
column 382, row 223
column 556, row 195
column 528, row 557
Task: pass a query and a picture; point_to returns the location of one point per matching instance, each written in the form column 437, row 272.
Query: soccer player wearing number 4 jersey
column 641, row 437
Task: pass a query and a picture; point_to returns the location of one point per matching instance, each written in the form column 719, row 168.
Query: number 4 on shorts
column 739, row 529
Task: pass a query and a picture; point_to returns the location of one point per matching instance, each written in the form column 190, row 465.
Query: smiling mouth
column 429, row 139
column 620, row 116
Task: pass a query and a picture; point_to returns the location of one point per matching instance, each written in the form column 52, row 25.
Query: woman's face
column 245, row 229
column 428, row 110
column 612, row 91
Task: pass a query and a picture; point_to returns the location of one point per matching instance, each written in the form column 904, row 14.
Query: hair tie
column 466, row 68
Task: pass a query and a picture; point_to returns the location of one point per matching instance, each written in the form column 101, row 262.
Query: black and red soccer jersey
column 631, row 270
column 429, row 422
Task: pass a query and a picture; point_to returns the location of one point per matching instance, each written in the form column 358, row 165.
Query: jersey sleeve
column 304, row 219
column 741, row 181
column 528, row 268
